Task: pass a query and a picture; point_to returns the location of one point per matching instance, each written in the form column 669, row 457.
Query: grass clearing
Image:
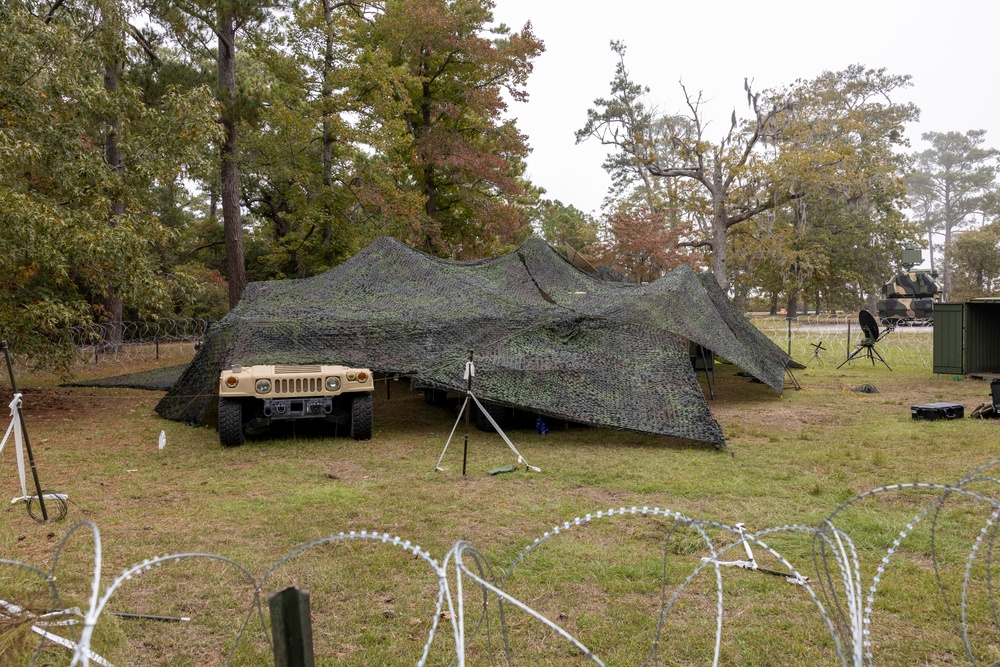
column 792, row 458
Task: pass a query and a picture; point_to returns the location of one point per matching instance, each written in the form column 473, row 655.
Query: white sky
column 949, row 48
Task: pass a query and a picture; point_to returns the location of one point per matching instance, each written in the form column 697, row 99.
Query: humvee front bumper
column 277, row 409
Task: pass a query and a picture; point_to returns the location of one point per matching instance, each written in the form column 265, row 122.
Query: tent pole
column 465, row 449
column 24, row 433
column 794, row 381
column 704, row 363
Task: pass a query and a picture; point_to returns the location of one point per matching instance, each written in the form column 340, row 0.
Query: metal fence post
column 291, row 628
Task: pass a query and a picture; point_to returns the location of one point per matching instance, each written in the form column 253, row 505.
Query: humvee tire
column 361, row 416
column 231, row 422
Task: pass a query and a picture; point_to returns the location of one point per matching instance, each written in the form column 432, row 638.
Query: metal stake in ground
column 470, row 372
column 24, row 433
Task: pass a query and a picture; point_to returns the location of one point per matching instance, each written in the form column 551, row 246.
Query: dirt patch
column 47, row 403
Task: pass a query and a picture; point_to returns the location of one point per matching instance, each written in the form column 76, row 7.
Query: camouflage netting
column 547, row 337
column 158, row 379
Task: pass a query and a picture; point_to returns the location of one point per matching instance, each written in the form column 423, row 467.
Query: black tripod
column 817, row 348
column 867, row 345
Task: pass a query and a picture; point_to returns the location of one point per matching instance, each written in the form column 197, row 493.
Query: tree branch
column 202, row 247
column 758, row 132
column 684, row 172
column 143, row 42
column 772, row 202
column 52, row 12
column 704, row 243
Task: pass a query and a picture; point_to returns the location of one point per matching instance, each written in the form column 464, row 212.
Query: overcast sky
column 949, row 48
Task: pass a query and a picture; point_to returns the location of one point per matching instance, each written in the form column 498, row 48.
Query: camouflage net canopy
column 158, row 379
column 547, row 337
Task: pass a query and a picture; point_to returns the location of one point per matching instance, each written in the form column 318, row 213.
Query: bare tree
column 676, row 148
column 737, row 190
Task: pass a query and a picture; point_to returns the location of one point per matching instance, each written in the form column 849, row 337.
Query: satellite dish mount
column 869, row 325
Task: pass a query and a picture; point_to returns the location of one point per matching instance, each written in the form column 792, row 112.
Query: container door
column 948, row 338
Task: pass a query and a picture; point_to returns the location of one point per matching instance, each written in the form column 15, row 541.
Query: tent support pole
column 24, row 433
column 465, row 447
column 795, row 382
column 704, row 363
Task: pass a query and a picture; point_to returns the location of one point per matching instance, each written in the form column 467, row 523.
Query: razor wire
column 835, row 589
column 108, row 342
column 908, row 343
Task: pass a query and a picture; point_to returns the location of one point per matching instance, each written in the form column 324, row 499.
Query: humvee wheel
column 361, row 416
column 231, row 422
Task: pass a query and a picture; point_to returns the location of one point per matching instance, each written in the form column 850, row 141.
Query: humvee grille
column 291, row 370
column 298, row 385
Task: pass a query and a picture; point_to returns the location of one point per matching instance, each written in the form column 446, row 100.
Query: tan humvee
column 252, row 397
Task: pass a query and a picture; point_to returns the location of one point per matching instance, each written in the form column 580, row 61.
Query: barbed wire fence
column 138, row 341
column 175, row 339
column 477, row 605
column 910, row 343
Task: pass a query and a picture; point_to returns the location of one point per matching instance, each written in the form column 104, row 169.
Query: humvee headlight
column 333, row 383
column 232, row 381
column 352, row 376
column 362, row 376
column 263, row 386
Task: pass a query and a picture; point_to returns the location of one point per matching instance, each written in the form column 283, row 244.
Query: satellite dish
column 868, row 324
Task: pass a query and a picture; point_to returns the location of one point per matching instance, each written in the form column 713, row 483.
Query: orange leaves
column 642, row 246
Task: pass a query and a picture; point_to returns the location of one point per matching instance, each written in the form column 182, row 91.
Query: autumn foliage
column 640, row 245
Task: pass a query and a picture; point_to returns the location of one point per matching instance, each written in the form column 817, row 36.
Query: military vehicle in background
column 910, row 296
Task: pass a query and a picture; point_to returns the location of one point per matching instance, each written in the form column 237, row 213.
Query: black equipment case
column 933, row 411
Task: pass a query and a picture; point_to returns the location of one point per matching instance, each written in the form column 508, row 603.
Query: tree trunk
column 792, row 307
column 430, row 185
column 326, row 95
column 430, row 208
column 112, row 336
column 230, row 171
column 720, row 228
column 949, row 223
column 930, row 247
column 740, row 300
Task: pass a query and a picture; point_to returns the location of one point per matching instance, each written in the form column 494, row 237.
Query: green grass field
column 792, row 459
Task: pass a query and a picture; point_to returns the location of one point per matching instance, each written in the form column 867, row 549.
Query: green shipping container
column 966, row 337
column 949, row 340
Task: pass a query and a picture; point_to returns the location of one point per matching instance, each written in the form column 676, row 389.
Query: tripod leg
column 879, row 358
column 857, row 351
